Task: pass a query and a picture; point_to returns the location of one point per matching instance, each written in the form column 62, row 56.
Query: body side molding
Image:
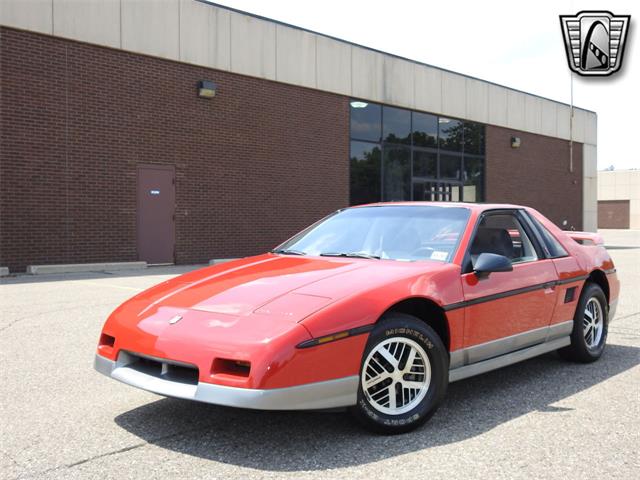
column 510, row 293
column 508, row 359
column 502, row 346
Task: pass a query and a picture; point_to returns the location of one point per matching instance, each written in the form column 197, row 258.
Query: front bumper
column 341, row 392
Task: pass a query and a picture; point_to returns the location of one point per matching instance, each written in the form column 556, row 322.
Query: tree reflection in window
column 399, row 154
column 364, row 173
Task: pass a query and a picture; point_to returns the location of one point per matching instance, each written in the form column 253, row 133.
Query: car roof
column 471, row 206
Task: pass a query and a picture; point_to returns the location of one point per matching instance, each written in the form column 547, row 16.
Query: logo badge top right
column 595, row 41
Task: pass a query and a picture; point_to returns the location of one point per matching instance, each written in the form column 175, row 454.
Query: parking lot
column 544, row 418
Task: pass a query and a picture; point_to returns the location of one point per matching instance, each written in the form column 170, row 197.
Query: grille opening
column 106, row 340
column 238, row 368
column 166, row 370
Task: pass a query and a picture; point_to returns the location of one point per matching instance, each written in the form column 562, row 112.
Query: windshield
column 388, row 232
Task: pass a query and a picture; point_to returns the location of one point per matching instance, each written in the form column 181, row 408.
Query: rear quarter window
column 553, row 246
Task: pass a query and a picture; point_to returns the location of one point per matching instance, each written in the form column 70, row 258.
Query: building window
column 425, row 164
column 473, row 138
column 472, row 177
column 450, row 166
column 366, row 121
column 396, row 173
column 399, row 155
column 365, row 167
column 450, row 134
column 396, row 125
column 425, row 130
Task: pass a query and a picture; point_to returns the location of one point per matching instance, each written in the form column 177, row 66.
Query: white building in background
column 619, row 199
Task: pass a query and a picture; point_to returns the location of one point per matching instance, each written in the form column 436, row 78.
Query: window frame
column 518, row 213
column 538, row 228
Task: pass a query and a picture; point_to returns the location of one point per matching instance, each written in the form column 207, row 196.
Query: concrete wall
column 195, row 32
column 622, row 185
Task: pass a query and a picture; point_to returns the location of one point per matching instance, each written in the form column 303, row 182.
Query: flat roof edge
column 393, row 55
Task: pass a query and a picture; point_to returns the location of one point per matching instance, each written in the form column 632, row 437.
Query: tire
column 405, row 339
column 588, row 339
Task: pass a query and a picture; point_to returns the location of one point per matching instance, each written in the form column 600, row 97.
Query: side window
column 503, row 234
column 554, row 247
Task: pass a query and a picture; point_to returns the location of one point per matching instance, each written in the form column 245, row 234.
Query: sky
column 512, row 43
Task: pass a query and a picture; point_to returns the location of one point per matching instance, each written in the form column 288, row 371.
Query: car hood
column 248, row 302
column 288, row 286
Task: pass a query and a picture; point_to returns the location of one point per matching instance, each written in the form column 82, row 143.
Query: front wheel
column 403, row 376
column 590, row 326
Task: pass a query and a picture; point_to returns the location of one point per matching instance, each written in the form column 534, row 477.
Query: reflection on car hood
column 263, row 284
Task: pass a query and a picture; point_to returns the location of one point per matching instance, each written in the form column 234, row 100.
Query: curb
column 84, row 267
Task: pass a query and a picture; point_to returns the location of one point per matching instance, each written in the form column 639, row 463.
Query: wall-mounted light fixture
column 515, row 142
column 357, row 104
column 207, row 89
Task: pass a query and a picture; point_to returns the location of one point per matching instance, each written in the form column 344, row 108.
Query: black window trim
column 537, row 226
column 467, row 264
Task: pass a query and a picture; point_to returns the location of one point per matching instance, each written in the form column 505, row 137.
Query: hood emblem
column 174, row 320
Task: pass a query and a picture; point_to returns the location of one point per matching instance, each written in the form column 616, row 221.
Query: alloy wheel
column 592, row 323
column 396, row 375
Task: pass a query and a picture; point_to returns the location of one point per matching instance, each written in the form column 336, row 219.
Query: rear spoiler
column 587, row 238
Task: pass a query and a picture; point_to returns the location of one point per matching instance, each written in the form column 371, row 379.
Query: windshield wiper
column 350, row 254
column 284, row 251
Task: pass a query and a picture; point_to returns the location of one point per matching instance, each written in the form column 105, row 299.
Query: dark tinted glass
column 450, row 134
column 366, row 121
column 450, row 166
column 474, row 138
column 420, row 192
column 473, row 178
column 365, row 173
column 396, row 125
column 425, row 130
column 554, row 248
column 397, row 154
column 397, row 174
column 425, row 164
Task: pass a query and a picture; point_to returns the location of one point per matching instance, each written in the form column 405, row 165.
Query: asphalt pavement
column 543, row 418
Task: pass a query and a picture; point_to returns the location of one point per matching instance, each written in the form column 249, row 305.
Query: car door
column 506, row 311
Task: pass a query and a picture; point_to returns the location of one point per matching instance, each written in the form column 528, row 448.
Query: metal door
column 156, row 209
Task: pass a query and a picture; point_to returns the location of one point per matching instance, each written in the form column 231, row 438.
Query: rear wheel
column 403, row 376
column 590, row 326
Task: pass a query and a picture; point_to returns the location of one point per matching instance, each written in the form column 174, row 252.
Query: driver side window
column 503, row 234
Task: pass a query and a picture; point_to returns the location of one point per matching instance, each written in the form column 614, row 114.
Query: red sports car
column 376, row 308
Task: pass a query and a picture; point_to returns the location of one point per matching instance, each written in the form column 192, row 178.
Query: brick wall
column 253, row 165
column 614, row 213
column 536, row 174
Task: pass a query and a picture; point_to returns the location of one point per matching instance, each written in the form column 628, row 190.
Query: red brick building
column 108, row 153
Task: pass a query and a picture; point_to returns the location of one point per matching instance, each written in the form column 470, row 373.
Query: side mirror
column 487, row 263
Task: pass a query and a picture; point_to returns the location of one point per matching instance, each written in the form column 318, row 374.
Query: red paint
column 258, row 309
column 510, row 315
